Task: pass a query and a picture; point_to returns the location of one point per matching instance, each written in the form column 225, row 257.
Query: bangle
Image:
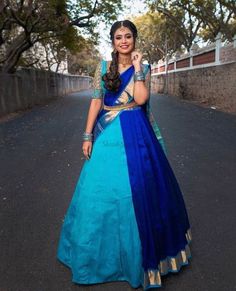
column 87, row 136
column 139, row 76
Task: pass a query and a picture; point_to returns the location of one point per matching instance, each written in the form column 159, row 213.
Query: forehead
column 122, row 31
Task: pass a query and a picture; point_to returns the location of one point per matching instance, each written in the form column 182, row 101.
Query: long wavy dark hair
column 112, row 79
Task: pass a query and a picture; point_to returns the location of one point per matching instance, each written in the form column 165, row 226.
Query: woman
column 127, row 219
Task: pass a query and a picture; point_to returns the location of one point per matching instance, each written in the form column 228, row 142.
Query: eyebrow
column 125, row 34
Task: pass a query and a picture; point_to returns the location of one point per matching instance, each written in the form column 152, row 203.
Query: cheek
column 131, row 40
column 116, row 43
column 132, row 43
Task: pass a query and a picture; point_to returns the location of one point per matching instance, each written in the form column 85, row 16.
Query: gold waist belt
column 120, row 107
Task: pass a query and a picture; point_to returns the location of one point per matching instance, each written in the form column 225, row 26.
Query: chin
column 127, row 51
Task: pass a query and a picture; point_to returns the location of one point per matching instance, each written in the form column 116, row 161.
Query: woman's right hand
column 87, row 149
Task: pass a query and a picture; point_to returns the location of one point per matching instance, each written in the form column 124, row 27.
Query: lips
column 124, row 46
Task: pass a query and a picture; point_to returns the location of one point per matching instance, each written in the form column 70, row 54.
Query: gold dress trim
column 120, row 107
column 152, row 277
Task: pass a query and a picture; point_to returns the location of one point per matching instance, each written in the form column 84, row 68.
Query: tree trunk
column 14, row 53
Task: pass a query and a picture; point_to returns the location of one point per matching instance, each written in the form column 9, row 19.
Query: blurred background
column 71, row 36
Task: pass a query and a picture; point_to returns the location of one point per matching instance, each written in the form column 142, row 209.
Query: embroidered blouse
column 98, row 90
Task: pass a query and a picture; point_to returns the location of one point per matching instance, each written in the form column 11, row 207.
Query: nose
column 123, row 39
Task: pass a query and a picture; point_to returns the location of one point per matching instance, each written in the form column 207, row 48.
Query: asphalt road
column 40, row 162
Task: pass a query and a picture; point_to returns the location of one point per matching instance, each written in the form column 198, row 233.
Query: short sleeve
column 97, row 86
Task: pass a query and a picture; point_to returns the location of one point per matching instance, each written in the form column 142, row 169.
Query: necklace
column 124, row 61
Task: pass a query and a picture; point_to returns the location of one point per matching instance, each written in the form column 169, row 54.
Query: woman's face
column 123, row 40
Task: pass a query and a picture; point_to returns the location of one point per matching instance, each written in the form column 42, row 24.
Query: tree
column 84, row 61
column 51, row 53
column 47, row 55
column 26, row 22
column 216, row 16
column 204, row 18
column 185, row 23
column 158, row 36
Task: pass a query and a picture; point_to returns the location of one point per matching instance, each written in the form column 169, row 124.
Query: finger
column 90, row 150
column 85, row 152
column 88, row 154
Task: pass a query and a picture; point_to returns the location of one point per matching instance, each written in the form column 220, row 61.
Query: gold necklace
column 124, row 61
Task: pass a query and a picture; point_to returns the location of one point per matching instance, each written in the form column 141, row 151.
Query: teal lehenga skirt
column 127, row 219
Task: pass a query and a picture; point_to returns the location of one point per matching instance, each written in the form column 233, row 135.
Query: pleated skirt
column 102, row 237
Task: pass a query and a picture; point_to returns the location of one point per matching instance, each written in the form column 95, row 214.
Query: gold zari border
column 152, row 277
column 120, row 107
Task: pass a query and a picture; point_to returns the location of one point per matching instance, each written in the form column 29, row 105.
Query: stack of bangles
column 87, row 136
column 139, row 76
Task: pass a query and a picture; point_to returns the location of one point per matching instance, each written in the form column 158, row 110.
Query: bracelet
column 139, row 76
column 87, row 136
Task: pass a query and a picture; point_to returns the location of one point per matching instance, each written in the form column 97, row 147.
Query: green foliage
column 24, row 23
column 184, row 22
column 105, row 11
column 199, row 18
column 85, row 60
column 71, row 39
column 83, row 63
column 217, row 16
column 157, row 36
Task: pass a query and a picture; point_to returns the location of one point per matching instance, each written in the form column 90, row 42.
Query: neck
column 124, row 59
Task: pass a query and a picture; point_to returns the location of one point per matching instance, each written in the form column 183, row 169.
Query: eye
column 118, row 37
column 129, row 36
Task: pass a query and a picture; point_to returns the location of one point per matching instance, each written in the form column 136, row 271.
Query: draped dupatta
column 111, row 98
column 150, row 114
column 160, row 212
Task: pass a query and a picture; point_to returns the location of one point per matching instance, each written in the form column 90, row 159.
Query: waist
column 121, row 106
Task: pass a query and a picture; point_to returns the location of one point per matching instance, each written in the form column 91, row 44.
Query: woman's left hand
column 136, row 58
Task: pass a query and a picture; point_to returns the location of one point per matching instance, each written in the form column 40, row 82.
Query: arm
column 141, row 88
column 96, row 101
column 95, row 107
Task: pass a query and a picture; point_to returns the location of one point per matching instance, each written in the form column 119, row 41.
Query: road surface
column 40, row 162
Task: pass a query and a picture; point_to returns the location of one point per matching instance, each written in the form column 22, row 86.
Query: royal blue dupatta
column 111, row 98
column 160, row 211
